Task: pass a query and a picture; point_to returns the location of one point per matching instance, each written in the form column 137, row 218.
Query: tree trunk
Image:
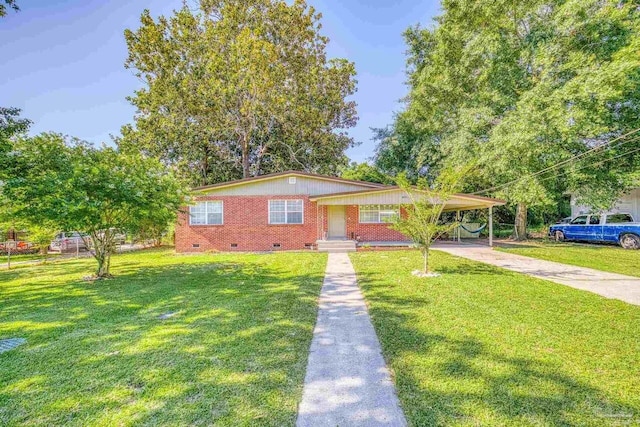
column 520, row 230
column 245, row 158
column 101, row 265
column 103, row 247
column 425, row 254
column 205, row 166
column 104, row 264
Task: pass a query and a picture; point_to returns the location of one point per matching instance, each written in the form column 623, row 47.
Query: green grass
column 600, row 257
column 481, row 346
column 98, row 354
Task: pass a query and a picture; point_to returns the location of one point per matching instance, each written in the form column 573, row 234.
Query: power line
column 576, row 157
column 594, row 164
column 573, row 158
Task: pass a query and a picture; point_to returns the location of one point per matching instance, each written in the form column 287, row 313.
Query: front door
column 337, row 222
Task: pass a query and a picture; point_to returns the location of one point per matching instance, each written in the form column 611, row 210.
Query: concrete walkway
column 347, row 382
column 610, row 285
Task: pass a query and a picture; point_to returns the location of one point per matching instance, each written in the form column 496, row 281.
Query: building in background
column 629, row 203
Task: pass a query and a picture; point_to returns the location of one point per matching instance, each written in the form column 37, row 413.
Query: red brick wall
column 370, row 232
column 246, row 223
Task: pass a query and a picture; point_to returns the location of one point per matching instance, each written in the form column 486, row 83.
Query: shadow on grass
column 232, row 352
column 445, row 379
column 468, row 269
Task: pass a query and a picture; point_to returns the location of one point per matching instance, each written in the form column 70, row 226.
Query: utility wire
column 573, row 158
column 576, row 157
column 593, row 164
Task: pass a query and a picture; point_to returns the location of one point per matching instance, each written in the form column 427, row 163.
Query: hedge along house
column 296, row 210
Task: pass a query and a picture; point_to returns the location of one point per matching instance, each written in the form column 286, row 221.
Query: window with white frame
column 285, row 212
column 206, row 213
column 377, row 214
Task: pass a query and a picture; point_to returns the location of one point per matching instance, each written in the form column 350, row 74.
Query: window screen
column 206, row 213
column 375, row 214
column 285, row 212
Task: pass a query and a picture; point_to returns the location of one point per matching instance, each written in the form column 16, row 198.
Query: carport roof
column 396, row 195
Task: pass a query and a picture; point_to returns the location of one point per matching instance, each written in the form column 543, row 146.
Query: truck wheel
column 559, row 235
column 630, row 241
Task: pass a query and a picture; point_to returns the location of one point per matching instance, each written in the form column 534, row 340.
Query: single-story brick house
column 296, row 210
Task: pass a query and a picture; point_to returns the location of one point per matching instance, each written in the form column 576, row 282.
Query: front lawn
column 484, row 346
column 231, row 349
column 600, row 257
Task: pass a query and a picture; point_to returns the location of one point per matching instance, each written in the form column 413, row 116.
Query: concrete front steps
column 336, row 245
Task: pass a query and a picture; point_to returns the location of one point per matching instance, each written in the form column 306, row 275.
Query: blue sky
column 62, row 60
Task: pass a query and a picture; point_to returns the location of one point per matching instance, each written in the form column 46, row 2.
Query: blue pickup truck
column 618, row 228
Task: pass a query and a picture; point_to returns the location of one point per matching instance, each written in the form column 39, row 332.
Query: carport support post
column 458, row 227
column 491, row 226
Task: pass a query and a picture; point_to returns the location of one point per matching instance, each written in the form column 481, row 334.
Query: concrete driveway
column 609, row 285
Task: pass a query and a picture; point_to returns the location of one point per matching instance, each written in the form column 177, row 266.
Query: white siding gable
column 284, row 186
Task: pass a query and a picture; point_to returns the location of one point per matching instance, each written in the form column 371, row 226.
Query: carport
column 395, row 196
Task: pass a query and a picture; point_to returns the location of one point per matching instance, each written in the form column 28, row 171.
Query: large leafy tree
column 235, row 88
column 53, row 180
column 7, row 4
column 11, row 125
column 521, row 86
column 365, row 172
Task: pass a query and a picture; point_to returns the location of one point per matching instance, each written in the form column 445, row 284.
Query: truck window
column 580, row 220
column 594, row 220
column 619, row 218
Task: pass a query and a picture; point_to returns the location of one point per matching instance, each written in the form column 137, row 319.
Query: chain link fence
column 16, row 242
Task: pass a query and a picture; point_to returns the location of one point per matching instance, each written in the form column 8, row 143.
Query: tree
column 51, row 179
column 11, row 125
column 522, row 86
column 41, row 236
column 11, row 4
column 238, row 88
column 422, row 219
column 365, row 172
